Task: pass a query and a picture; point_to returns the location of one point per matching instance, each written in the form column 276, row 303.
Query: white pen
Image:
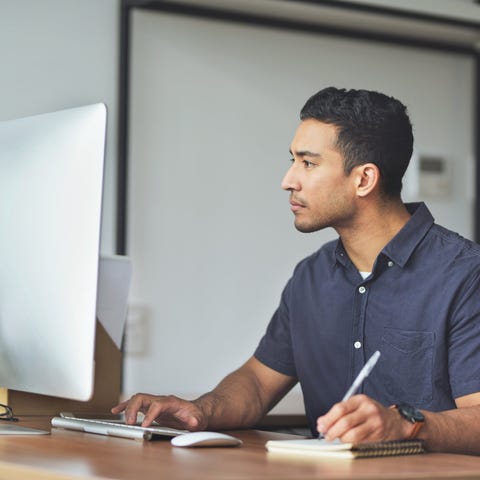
column 362, row 375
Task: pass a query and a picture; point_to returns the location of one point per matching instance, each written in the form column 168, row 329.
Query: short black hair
column 371, row 128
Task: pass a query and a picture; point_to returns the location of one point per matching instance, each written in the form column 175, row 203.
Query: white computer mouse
column 205, row 439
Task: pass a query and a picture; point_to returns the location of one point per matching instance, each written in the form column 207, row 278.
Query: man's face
column 321, row 195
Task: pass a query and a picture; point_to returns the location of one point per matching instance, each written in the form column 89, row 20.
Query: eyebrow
column 305, row 153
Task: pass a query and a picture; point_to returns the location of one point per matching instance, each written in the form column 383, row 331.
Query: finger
column 363, row 432
column 119, row 408
column 154, row 412
column 189, row 419
column 138, row 403
column 164, row 409
column 175, row 412
column 171, row 411
column 338, row 411
column 362, row 421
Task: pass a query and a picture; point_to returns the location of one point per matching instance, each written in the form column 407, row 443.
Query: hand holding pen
column 362, row 375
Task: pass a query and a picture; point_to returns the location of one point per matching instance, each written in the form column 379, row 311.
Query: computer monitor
column 51, row 179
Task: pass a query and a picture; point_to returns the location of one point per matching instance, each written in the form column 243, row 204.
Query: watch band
column 416, row 428
column 411, row 414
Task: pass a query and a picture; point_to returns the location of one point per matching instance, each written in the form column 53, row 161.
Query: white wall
column 213, row 110
column 58, row 54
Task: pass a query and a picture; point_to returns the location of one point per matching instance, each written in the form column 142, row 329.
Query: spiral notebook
column 324, row 448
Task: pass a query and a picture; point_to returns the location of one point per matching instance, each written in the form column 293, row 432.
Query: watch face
column 410, row 413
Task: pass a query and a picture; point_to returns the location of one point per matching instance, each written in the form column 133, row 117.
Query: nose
column 290, row 181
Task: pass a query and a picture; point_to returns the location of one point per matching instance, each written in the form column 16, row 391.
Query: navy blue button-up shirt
column 420, row 307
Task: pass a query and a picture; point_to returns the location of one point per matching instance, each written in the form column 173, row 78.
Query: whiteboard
column 213, row 109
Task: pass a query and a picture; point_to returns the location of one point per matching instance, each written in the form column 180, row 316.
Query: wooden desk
column 72, row 455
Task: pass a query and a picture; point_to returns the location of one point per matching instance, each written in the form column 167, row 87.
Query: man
column 393, row 281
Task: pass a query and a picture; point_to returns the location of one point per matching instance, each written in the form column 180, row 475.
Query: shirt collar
column 402, row 245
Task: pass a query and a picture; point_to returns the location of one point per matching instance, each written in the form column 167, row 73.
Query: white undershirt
column 365, row 274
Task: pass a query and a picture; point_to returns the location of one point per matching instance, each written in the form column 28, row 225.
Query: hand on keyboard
column 169, row 411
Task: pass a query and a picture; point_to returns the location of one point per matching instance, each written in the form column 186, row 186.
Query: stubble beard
column 337, row 218
column 313, row 226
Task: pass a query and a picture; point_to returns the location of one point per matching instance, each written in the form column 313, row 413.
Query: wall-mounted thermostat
column 434, row 176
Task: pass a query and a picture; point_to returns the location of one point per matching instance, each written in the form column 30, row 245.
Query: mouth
column 296, row 206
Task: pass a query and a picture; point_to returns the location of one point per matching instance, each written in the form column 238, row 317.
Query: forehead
column 314, row 136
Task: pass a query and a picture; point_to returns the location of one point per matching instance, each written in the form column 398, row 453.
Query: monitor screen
column 51, row 179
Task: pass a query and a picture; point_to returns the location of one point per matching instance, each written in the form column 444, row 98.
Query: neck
column 371, row 230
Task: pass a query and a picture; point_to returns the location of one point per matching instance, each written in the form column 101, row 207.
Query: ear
column 367, row 178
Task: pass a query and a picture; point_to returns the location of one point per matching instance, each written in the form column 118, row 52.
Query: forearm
column 455, row 431
column 243, row 397
column 234, row 403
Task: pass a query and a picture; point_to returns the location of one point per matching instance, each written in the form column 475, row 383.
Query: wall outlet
column 136, row 331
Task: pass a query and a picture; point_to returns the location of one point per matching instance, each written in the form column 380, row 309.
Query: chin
column 310, row 225
column 307, row 228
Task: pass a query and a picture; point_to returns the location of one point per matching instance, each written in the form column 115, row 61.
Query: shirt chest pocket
column 408, row 364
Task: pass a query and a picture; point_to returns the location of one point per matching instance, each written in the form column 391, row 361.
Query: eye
column 308, row 164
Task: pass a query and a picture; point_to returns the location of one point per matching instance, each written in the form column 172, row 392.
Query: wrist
column 413, row 419
column 206, row 407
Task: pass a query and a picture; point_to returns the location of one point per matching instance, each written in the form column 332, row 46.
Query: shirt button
column 357, row 344
column 362, row 289
column 390, row 263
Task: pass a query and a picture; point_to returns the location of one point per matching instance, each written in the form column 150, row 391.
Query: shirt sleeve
column 275, row 348
column 464, row 351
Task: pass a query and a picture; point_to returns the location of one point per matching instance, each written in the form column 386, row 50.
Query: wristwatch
column 413, row 415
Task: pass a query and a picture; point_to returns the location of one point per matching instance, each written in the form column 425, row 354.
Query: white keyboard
column 114, row 428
